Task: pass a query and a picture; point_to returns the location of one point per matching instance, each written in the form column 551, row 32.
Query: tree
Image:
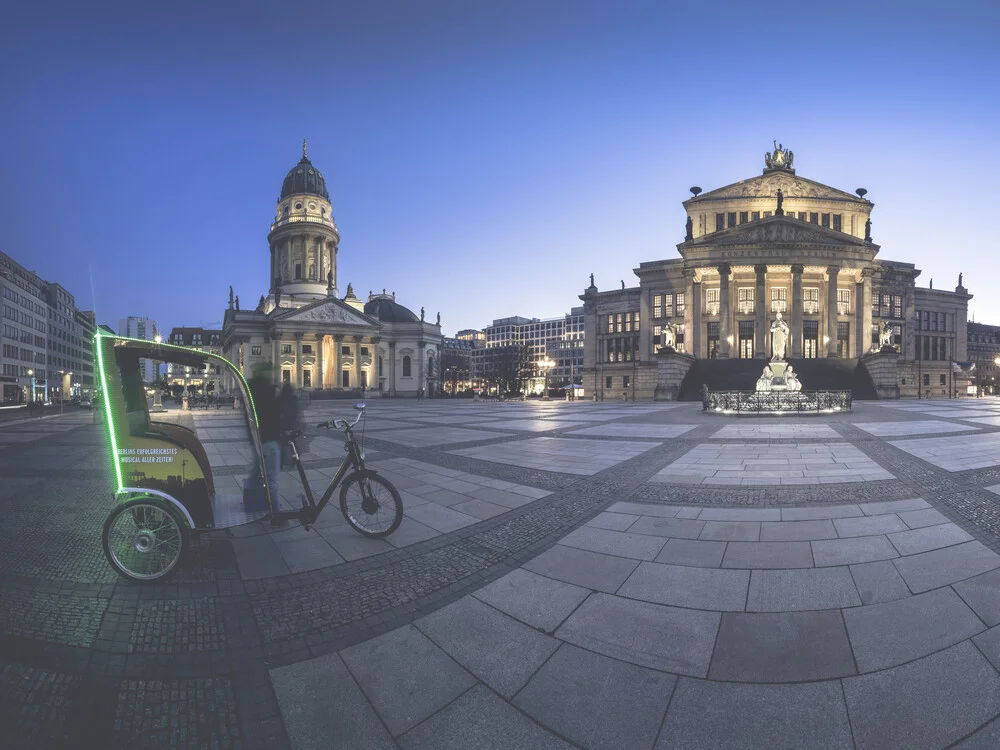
column 509, row 366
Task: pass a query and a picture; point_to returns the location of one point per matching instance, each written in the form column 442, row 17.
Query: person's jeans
column 272, row 468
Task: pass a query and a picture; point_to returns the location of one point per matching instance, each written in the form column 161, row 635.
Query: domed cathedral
column 776, row 247
column 314, row 338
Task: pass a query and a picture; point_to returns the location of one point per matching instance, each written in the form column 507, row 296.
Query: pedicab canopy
column 162, row 454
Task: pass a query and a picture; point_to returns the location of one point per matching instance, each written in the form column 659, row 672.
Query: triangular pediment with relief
column 777, row 230
column 767, row 185
column 328, row 311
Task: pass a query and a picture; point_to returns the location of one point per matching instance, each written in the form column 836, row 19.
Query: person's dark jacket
column 288, row 408
column 265, row 401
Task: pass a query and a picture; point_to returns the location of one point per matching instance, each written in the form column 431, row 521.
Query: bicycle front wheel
column 371, row 504
column 143, row 540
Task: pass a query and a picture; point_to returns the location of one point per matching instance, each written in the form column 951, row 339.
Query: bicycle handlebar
column 341, row 423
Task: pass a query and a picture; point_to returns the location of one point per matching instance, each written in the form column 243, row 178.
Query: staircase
column 742, row 374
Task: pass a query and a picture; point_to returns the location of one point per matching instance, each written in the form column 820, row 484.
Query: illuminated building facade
column 775, row 243
column 314, row 338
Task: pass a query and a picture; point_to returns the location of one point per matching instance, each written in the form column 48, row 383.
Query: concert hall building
column 776, row 242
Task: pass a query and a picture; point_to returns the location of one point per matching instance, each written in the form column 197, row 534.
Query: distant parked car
column 85, row 403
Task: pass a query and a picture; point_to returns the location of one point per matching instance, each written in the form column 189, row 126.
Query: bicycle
column 368, row 502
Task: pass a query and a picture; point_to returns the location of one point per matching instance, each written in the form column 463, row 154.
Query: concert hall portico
column 775, row 243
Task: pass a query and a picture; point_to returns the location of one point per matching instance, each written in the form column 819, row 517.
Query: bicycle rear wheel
column 371, row 504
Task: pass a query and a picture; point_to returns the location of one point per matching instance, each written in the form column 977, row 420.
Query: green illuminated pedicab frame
column 101, row 369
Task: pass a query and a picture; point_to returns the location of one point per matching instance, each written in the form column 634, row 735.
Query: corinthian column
column 725, row 281
column 298, row 360
column 797, row 310
column 690, row 303
column 318, row 380
column 338, row 366
column 760, row 312
column 831, row 311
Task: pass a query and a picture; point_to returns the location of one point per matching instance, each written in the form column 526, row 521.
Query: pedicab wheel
column 143, row 539
column 371, row 504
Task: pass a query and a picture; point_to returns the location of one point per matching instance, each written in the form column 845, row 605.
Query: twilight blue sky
column 482, row 157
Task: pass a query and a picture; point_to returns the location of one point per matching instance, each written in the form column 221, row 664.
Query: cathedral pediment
column 329, row 311
column 777, row 230
column 767, row 186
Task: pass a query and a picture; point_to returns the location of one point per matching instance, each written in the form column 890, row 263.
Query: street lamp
column 157, row 402
column 545, row 365
column 31, row 374
column 62, row 390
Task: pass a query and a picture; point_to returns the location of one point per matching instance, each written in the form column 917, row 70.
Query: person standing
column 265, row 402
column 289, row 420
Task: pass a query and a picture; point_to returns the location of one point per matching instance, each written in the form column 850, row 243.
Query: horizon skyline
column 482, row 161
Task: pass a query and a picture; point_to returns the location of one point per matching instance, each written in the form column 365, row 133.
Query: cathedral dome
column 388, row 311
column 304, row 178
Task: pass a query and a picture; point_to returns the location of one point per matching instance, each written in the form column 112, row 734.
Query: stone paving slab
column 613, row 521
column 797, row 531
column 579, row 456
column 679, row 586
column 582, row 568
column 929, row 570
column 684, row 528
column 755, row 464
column 916, row 427
column 501, row 651
column 765, row 555
column 869, row 525
column 706, row 714
column 323, row 707
column 535, row 600
column 955, row 453
column 597, row 701
column 692, row 553
column 982, row 593
column 851, row 551
column 878, row 582
column 648, row 635
column 479, row 719
column 889, row 634
column 928, row 538
column 658, row 431
column 618, row 543
column 782, row 647
column 772, row 431
column 931, row 702
column 406, row 677
column 797, row 590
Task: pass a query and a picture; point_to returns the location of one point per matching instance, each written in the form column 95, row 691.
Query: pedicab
column 179, row 473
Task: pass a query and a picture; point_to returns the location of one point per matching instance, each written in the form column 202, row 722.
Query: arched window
column 380, row 366
column 430, row 366
column 406, row 367
column 298, row 270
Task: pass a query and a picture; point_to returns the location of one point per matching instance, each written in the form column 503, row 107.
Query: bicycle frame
column 311, row 510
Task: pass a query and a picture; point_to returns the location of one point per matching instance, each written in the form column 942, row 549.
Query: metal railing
column 776, row 402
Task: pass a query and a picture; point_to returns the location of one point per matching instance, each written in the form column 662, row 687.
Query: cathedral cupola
column 304, row 237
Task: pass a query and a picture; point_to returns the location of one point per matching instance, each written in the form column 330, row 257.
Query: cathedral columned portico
column 775, row 243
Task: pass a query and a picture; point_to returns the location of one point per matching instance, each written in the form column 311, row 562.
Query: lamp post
column 545, row 365
column 31, row 395
column 157, row 402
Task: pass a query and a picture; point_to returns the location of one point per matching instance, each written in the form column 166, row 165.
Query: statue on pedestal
column 792, row 382
column 230, row 297
column 779, row 338
column 885, row 335
column 669, row 336
column 764, row 381
column 421, row 314
column 689, row 230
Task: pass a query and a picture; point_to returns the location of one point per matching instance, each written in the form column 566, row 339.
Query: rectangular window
column 825, row 220
column 711, row 301
column 286, row 376
column 679, row 305
column 843, row 301
column 731, row 219
column 619, row 323
column 843, row 339
column 744, row 217
column 754, row 215
column 810, row 339
column 657, row 306
column 813, row 218
column 838, row 223
column 307, row 349
column 897, row 306
column 364, row 351
column 306, row 379
column 364, row 379
column 745, row 297
column 607, row 381
column 779, row 299
column 286, row 348
column 927, row 379
column 767, row 214
column 934, row 347
column 810, row 300
column 345, row 350
column 625, row 381
column 255, row 350
column 802, row 216
column 720, row 222
column 944, row 379
column 611, row 324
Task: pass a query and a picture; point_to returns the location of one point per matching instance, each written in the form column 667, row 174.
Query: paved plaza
column 592, row 575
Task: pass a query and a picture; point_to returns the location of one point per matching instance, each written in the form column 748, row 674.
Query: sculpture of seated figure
column 885, row 336
column 764, row 381
column 792, row 382
column 669, row 336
